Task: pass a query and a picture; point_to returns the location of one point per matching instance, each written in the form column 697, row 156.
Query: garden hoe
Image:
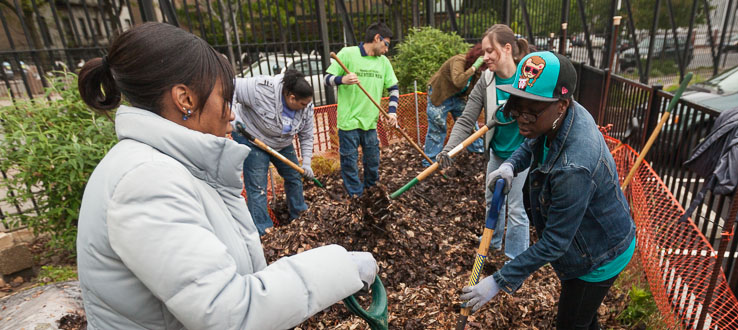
column 489, row 229
column 384, row 113
column 657, row 130
column 455, row 151
column 269, row 150
column 377, row 315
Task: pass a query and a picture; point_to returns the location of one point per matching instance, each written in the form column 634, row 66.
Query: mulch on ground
column 424, row 242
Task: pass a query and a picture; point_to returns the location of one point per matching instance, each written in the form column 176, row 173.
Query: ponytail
column 97, row 86
column 523, row 49
column 294, row 83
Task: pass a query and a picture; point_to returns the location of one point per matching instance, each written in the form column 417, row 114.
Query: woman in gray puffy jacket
column 165, row 239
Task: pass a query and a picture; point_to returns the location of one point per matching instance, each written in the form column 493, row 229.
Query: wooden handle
column 384, row 113
column 274, row 153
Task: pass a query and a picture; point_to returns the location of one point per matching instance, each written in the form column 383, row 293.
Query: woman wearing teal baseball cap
column 581, row 216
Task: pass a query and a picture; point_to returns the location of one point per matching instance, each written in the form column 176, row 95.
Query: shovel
column 455, row 151
column 489, row 229
column 377, row 315
column 657, row 130
column 269, row 150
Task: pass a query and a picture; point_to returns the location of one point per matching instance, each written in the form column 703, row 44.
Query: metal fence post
column 652, row 41
column 724, row 239
column 417, row 118
column 652, row 113
column 325, row 57
column 452, row 17
column 147, row 10
column 564, row 23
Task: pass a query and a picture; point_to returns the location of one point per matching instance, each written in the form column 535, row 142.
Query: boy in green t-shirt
column 357, row 115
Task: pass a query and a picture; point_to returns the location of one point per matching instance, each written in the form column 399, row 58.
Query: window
column 309, row 67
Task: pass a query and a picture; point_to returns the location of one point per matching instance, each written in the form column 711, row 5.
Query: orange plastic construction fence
column 677, row 258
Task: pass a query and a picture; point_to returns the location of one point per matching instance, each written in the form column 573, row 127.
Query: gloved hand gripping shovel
column 489, row 228
column 455, row 151
column 377, row 315
column 269, row 150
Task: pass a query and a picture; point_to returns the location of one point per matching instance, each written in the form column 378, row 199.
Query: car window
column 268, row 67
column 309, row 67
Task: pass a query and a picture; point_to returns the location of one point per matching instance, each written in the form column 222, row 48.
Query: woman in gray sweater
column 502, row 52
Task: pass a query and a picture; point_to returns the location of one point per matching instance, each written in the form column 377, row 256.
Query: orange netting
column 677, row 258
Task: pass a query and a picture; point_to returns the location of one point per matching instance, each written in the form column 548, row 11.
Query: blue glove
column 481, row 293
column 505, row 171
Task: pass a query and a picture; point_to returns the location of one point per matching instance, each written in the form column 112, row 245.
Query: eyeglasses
column 529, row 117
column 386, row 43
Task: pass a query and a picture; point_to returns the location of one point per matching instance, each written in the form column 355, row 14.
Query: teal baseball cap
column 543, row 76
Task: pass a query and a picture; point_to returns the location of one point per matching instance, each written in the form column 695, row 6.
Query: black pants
column 578, row 303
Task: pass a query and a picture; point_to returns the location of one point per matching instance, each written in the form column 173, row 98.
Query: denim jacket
column 581, row 216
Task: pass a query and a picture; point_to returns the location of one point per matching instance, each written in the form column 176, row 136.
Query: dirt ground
column 424, row 242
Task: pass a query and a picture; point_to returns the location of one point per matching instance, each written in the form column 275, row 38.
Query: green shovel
column 377, row 315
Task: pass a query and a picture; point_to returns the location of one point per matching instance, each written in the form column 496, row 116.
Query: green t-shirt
column 506, row 138
column 355, row 110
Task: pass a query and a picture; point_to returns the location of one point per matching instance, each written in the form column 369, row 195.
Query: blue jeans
column 437, row 126
column 255, row 169
column 349, row 142
column 517, row 236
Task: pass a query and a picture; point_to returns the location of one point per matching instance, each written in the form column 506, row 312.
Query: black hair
column 145, row 62
column 294, row 83
column 377, row 28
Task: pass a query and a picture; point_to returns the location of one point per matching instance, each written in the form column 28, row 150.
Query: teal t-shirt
column 506, row 138
column 612, row 268
column 355, row 110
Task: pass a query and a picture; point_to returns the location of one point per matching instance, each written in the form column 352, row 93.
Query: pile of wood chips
column 425, row 242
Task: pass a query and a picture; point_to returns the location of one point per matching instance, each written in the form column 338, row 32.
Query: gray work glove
column 444, row 160
column 481, row 293
column 308, row 171
column 367, row 266
column 505, row 171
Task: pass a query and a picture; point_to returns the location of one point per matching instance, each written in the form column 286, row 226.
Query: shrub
column 422, row 54
column 50, row 147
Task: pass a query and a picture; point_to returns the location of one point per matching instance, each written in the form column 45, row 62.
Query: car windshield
column 266, row 66
column 725, row 83
column 644, row 43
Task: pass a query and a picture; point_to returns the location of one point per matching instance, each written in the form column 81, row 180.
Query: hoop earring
column 187, row 116
column 553, row 127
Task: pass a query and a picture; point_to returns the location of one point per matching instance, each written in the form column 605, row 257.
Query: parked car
column 542, row 44
column 597, row 42
column 682, row 132
column 310, row 65
column 664, row 48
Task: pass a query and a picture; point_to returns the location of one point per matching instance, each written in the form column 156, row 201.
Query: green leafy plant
column 640, row 308
column 49, row 149
column 51, row 274
column 422, row 54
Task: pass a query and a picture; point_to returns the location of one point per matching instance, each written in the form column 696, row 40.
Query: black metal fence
column 634, row 109
column 261, row 36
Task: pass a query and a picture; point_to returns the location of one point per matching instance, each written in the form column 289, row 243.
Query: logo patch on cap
column 564, row 90
column 530, row 71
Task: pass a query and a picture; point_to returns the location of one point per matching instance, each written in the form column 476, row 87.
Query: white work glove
column 481, row 293
column 367, row 266
column 505, row 171
column 308, row 171
column 392, row 119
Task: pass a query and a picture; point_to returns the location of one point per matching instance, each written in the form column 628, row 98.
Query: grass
column 641, row 311
column 52, row 274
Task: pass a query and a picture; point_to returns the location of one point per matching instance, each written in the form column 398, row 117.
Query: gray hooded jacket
column 166, row 241
column 258, row 101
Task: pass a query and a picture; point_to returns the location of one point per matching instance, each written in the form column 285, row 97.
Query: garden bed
column 425, row 246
